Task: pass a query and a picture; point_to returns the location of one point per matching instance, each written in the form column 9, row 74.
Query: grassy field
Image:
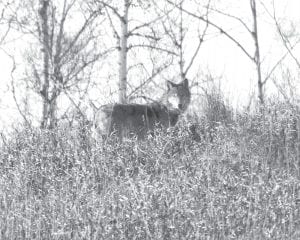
column 239, row 180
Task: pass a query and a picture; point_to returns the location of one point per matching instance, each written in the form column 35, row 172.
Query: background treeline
column 66, row 58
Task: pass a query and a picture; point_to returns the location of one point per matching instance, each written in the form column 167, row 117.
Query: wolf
column 126, row 120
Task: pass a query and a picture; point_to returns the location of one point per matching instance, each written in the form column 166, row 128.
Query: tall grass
column 243, row 183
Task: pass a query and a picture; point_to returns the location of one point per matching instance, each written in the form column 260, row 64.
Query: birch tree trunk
column 257, row 53
column 123, row 54
column 181, row 37
column 43, row 13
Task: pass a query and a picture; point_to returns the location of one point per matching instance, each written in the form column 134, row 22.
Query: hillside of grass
column 238, row 179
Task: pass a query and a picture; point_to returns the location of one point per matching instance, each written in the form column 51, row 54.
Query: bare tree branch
column 279, row 61
column 233, row 17
column 153, row 47
column 112, row 8
column 147, row 24
column 14, row 92
column 148, row 80
column 215, row 26
column 200, row 36
column 79, row 33
column 286, row 42
column 113, row 26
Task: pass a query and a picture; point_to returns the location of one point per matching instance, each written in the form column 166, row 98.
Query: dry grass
column 242, row 184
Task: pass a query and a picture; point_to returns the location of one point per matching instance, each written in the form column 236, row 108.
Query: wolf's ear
column 185, row 83
column 170, row 84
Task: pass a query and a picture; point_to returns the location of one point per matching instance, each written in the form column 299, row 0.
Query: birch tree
column 179, row 32
column 253, row 32
column 256, row 58
column 66, row 51
column 289, row 36
column 123, row 47
column 132, row 30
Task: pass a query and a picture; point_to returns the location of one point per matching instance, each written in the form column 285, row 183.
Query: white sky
column 218, row 55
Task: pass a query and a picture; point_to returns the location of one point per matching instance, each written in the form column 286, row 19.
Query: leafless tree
column 66, row 51
column 256, row 57
column 177, row 29
column 5, row 21
column 134, row 34
column 289, row 36
column 253, row 31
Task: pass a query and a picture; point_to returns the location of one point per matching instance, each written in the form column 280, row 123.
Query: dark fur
column 139, row 119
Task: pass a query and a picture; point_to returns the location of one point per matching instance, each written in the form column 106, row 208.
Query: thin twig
column 14, row 92
column 215, row 26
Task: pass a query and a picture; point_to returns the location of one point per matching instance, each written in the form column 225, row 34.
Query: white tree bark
column 43, row 13
column 257, row 53
column 123, row 54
